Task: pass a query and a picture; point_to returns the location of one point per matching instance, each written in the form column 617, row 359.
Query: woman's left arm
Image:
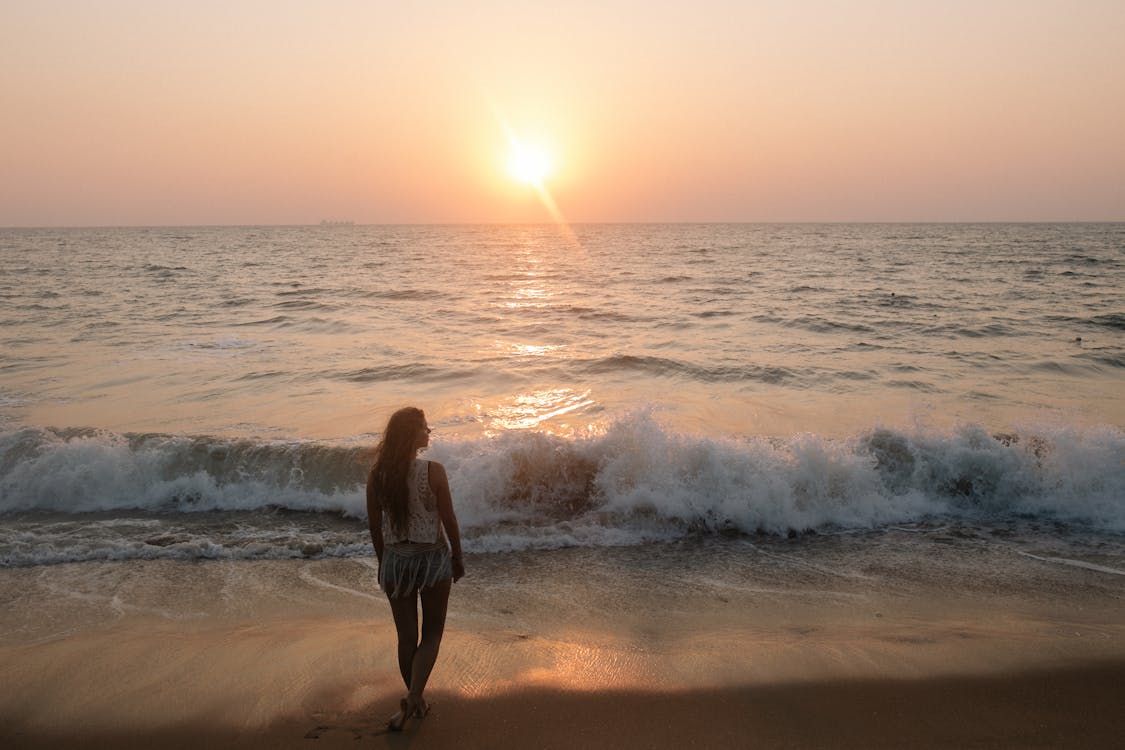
column 439, row 483
column 375, row 520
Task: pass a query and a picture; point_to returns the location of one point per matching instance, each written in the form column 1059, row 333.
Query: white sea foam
column 92, row 471
column 1075, row 563
column 635, row 482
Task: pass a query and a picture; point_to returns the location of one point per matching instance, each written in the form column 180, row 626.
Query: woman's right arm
column 375, row 519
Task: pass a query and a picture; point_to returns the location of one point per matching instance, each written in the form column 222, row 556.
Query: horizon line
column 352, row 225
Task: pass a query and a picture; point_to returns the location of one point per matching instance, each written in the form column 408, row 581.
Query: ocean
column 213, row 393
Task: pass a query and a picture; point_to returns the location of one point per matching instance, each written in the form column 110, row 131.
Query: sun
column 529, row 164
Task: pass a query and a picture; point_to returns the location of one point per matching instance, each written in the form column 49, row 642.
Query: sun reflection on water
column 576, row 666
column 529, row 285
column 529, row 350
column 529, row 297
column 533, row 409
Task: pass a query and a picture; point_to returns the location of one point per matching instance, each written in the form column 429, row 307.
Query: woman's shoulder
column 436, row 472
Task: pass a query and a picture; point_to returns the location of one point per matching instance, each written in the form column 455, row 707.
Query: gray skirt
column 407, row 568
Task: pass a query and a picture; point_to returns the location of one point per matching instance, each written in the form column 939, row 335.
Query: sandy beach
column 1077, row 707
column 297, row 653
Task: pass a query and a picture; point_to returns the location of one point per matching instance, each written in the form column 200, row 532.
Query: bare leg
column 435, row 602
column 405, row 611
column 416, row 658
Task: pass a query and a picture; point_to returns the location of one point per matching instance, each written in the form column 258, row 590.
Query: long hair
column 393, row 456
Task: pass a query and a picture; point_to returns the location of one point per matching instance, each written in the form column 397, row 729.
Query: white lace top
column 423, row 524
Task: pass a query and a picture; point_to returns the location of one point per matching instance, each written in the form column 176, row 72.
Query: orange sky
column 274, row 112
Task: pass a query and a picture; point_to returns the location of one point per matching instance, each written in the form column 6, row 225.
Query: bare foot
column 396, row 722
column 421, row 708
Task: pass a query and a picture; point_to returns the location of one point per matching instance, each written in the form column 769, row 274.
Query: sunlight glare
column 529, row 164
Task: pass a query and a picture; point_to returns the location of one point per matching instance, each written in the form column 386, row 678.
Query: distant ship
column 327, row 223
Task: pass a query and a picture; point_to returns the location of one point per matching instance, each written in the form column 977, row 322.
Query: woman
column 410, row 513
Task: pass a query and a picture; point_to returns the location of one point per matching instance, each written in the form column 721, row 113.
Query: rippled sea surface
column 204, row 392
column 740, row 329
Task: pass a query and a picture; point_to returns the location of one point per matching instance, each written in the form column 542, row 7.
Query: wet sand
column 1077, row 707
column 777, row 647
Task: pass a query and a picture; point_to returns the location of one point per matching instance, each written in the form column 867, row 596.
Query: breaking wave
column 635, row 482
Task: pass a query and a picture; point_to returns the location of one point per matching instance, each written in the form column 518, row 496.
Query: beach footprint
column 357, row 731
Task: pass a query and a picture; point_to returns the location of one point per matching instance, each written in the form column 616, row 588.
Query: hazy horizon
column 334, row 224
column 126, row 113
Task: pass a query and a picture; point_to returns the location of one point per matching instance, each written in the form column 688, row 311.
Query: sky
column 137, row 112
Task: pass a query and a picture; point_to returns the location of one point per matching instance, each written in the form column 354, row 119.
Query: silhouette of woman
column 414, row 530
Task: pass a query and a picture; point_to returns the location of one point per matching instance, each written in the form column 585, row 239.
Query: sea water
column 214, row 393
